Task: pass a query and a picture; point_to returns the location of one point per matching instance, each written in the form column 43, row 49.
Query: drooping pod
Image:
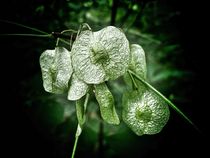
column 145, row 112
column 137, row 63
column 56, row 69
column 100, row 56
column 106, row 104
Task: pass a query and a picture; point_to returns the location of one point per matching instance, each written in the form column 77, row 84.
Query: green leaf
column 100, row 56
column 56, row 69
column 77, row 88
column 137, row 63
column 106, row 104
column 144, row 111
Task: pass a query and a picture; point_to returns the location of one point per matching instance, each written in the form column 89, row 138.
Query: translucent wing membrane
column 106, row 104
column 137, row 63
column 81, row 106
column 77, row 89
column 100, row 56
column 145, row 112
column 56, row 69
column 83, row 67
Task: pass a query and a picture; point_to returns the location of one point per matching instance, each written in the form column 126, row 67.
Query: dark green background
column 175, row 38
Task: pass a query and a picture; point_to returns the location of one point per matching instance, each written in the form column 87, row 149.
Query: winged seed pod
column 137, row 63
column 106, row 104
column 56, row 69
column 144, row 112
column 100, row 56
column 77, row 88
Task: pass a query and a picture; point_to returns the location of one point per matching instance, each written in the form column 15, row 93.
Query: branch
column 60, row 35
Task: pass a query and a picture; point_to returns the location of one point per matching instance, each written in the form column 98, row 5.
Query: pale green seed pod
column 100, row 56
column 145, row 112
column 56, row 69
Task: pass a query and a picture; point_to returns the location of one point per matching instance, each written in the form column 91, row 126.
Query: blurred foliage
column 154, row 24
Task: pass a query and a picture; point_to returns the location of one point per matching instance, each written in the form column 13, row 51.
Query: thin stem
column 86, row 25
column 30, row 28
column 59, row 35
column 86, row 101
column 69, row 30
column 70, row 44
column 26, row 35
column 76, row 140
column 34, row 35
column 164, row 98
column 79, row 128
column 64, row 41
column 133, row 81
column 82, row 26
column 21, row 25
column 57, row 41
column 71, row 37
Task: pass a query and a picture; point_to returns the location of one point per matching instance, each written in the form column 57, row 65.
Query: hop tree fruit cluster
column 97, row 57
